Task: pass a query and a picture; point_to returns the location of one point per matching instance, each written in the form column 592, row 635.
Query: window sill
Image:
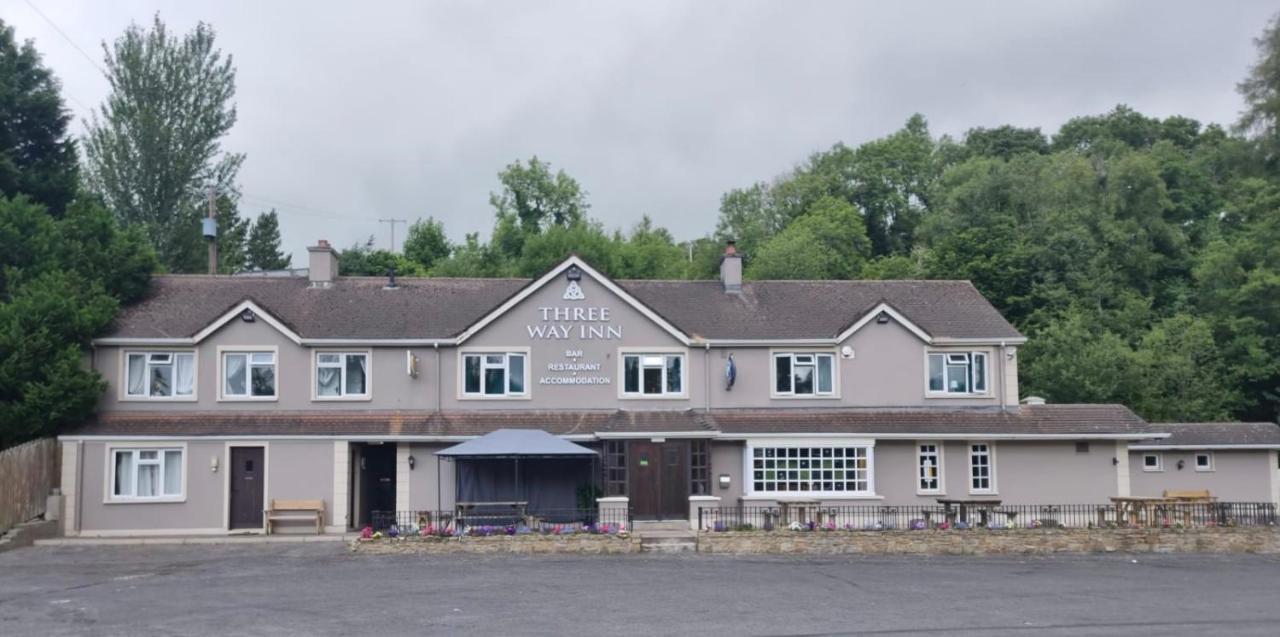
column 653, row 397
column 164, row 500
column 1204, row 470
column 804, row 397
column 936, row 394
column 807, row 498
column 983, row 493
column 340, row 399
column 157, row 399
column 494, row 397
column 932, row 494
column 1146, row 470
column 248, row 399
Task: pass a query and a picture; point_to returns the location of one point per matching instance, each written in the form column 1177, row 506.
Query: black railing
column 500, row 521
column 818, row 517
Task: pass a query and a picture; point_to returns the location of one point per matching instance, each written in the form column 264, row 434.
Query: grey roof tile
column 1192, row 434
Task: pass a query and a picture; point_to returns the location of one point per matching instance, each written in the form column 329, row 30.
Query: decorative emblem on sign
column 574, row 292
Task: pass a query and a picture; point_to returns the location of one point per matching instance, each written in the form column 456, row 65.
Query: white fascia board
column 1201, row 447
column 555, row 272
column 258, row 312
column 1020, row 340
column 127, row 341
column 616, row 435
column 763, row 342
column 887, row 309
column 375, row 342
column 948, row 436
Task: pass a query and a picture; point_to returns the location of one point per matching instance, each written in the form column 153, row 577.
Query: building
column 226, row 393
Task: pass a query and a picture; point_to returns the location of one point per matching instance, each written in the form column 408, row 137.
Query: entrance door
column 658, row 482
column 377, row 480
column 248, row 477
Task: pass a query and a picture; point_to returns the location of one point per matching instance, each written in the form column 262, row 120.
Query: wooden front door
column 658, row 479
column 248, row 479
column 378, row 481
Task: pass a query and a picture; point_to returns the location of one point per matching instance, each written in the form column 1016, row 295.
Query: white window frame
column 625, row 352
column 868, row 445
column 1195, row 461
column 971, row 357
column 249, row 350
column 938, row 454
column 1159, row 466
column 109, row 470
column 146, row 389
column 775, row 355
column 342, row 375
column 991, row 467
column 506, row 352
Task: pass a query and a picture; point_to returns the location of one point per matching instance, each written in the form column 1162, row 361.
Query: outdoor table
column 961, row 507
column 1137, row 510
column 519, row 508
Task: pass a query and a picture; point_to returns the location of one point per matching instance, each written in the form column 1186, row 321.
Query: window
column 804, row 374
column 146, row 474
column 615, row 467
column 826, row 470
column 342, row 374
column 929, row 465
column 496, row 374
column 1204, row 461
column 249, row 374
column 958, row 373
column 981, row 468
column 1152, row 462
column 160, row 375
column 1082, row 447
column 653, row 374
column 699, row 468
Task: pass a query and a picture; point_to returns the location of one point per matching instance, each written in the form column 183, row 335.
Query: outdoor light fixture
column 882, row 318
column 412, row 461
column 213, row 463
column 247, row 315
column 1115, row 461
column 573, row 273
column 724, row 480
column 1181, row 464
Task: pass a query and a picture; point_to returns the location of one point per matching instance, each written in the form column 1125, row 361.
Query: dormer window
column 963, row 373
column 804, row 374
column 160, row 375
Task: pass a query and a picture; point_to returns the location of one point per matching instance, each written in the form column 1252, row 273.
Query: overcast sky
column 355, row 111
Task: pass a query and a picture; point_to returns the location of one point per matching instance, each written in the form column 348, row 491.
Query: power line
column 67, row 38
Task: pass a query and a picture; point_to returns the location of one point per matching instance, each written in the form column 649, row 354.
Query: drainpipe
column 1003, row 362
column 439, row 380
column 79, row 486
column 706, row 376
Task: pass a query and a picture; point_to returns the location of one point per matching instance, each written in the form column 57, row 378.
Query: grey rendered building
column 225, row 393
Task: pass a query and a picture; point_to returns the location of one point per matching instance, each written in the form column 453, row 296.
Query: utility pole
column 211, row 233
column 393, row 223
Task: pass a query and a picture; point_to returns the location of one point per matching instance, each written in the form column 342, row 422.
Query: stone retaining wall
column 983, row 542
column 583, row 543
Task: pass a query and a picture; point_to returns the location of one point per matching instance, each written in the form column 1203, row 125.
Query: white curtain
column 327, row 381
column 137, row 374
column 173, row 472
column 184, row 364
column 148, row 480
column 235, row 385
column 124, row 473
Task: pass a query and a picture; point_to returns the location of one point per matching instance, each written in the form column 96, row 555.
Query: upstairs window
column 653, row 374
column 249, row 375
column 160, row 375
column 958, row 373
column 493, row 374
column 342, row 375
column 804, row 374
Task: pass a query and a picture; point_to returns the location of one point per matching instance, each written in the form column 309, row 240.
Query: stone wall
column 982, row 542
column 583, row 543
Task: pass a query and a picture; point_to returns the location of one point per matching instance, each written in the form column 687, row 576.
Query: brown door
column 247, row 480
column 658, row 479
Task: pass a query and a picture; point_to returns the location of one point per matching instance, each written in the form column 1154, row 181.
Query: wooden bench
column 286, row 510
column 1200, row 495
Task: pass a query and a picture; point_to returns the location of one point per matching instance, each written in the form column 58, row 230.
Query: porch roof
column 516, row 443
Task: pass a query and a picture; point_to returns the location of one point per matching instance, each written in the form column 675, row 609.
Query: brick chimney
column 323, row 268
column 731, row 268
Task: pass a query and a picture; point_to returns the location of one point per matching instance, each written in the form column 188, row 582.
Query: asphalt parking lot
column 320, row 589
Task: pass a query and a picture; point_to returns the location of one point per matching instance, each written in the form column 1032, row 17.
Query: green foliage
column 233, row 232
column 1261, row 92
column 262, row 251
column 154, row 147
column 426, row 243
column 1004, row 142
column 63, row 280
column 828, row 242
column 36, row 156
column 363, row 260
column 537, row 198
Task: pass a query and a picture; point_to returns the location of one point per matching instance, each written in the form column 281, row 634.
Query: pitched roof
column 1215, row 434
column 1039, row 420
column 516, row 442
column 180, row 306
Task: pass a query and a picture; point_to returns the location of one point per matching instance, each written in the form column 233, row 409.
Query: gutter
column 1201, row 447
column 713, row 435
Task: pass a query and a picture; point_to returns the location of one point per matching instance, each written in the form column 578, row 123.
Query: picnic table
column 1155, row 510
column 958, row 510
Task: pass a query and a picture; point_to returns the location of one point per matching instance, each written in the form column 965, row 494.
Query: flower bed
column 604, row 538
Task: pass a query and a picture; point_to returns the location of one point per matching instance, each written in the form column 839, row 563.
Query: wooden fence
column 27, row 474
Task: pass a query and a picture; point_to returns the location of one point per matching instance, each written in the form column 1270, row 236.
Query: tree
column 36, row 156
column 426, row 243
column 1004, row 142
column 233, row 231
column 648, row 252
column 1261, row 93
column 63, row 281
column 827, row 242
column 363, row 260
column 537, row 198
column 154, row 146
column 262, row 251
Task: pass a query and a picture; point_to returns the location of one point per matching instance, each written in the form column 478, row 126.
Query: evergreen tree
column 263, row 248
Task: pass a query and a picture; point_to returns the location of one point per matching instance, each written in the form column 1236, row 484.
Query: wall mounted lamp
column 1181, row 464
column 213, row 463
column 412, row 461
column 724, row 480
column 247, row 315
